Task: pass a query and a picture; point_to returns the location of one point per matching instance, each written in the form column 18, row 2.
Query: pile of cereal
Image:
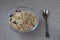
column 22, row 20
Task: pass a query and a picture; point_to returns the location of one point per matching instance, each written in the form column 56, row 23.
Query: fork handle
column 47, row 31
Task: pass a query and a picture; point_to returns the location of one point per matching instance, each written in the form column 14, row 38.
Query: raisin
column 11, row 15
column 18, row 11
column 33, row 25
column 14, row 22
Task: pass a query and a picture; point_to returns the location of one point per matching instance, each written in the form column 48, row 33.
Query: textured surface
column 39, row 34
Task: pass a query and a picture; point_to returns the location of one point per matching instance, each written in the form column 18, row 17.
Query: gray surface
column 39, row 34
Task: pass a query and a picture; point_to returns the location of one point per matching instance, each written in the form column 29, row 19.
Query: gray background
column 39, row 34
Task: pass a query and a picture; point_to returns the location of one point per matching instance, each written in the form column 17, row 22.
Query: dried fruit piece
column 11, row 15
column 10, row 19
column 18, row 11
column 14, row 22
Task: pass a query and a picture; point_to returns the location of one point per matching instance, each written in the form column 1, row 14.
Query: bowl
column 22, row 8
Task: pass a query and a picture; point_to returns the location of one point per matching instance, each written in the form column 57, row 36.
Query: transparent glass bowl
column 22, row 8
